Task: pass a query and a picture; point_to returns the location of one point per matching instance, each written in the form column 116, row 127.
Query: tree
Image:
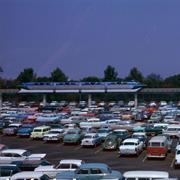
column 110, row 74
column 27, row 75
column 91, row 79
column 154, row 80
column 43, row 79
column 173, row 81
column 135, row 74
column 58, row 76
column 1, row 69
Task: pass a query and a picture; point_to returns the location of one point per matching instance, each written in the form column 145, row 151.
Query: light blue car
column 91, row 171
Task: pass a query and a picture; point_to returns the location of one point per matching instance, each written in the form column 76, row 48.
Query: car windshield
column 103, row 131
column 71, row 132
column 129, row 143
column 89, row 136
column 37, row 130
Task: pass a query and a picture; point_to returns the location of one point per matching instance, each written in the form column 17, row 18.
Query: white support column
column 135, row 100
column 89, row 100
column 1, row 101
column 44, row 100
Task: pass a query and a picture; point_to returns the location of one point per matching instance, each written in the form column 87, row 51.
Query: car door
column 95, row 174
column 6, row 158
column 82, row 174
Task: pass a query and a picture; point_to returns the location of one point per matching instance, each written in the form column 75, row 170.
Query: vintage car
column 91, row 139
column 141, row 136
column 25, row 130
column 64, row 165
column 26, row 175
column 54, row 135
column 173, row 130
column 177, row 157
column 7, row 170
column 131, row 146
column 114, row 139
column 148, row 175
column 73, row 136
column 103, row 133
column 93, row 171
column 93, row 122
column 155, row 117
column 21, row 155
column 39, row 132
column 12, row 129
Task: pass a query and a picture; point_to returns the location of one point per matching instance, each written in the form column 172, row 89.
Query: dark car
column 7, row 170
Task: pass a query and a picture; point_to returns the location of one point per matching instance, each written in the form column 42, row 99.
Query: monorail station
column 89, row 88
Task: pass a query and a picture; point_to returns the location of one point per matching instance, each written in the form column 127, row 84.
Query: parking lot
column 58, row 151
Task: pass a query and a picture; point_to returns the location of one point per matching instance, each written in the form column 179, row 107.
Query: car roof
column 71, row 161
column 19, row 151
column 139, row 133
column 153, row 174
column 42, row 127
column 94, row 165
column 158, row 139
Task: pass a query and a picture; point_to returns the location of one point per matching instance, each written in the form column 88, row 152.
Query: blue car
column 25, row 130
column 92, row 171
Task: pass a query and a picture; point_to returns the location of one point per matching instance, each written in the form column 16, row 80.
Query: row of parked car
column 12, row 161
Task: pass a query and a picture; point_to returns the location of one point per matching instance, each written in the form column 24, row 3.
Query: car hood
column 51, row 135
column 40, row 156
column 88, row 139
column 71, row 136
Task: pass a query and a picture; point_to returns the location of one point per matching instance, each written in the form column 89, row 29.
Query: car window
column 96, row 171
column 130, row 178
column 74, row 166
column 37, row 130
column 143, row 178
column 83, row 171
column 7, row 155
column 64, row 166
column 16, row 155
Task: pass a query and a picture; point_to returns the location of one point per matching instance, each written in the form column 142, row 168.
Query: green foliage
column 27, row 75
column 110, row 74
column 173, row 81
column 91, row 79
column 154, row 80
column 135, row 75
column 58, row 76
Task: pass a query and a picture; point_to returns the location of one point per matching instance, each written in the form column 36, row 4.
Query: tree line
column 110, row 74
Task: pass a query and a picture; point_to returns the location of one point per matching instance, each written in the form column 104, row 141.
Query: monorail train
column 80, row 85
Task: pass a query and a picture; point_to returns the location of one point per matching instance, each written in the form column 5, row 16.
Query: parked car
column 157, row 147
column 173, row 130
column 142, row 137
column 13, row 155
column 54, row 135
column 64, row 165
column 93, row 171
column 28, row 175
column 91, row 139
column 25, row 130
column 148, row 175
column 73, row 136
column 103, row 133
column 39, row 132
column 177, row 157
column 12, row 129
column 7, row 170
column 131, row 146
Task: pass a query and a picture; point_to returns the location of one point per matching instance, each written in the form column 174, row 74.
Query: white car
column 91, row 139
column 25, row 175
column 131, row 146
column 64, row 165
column 177, row 156
column 11, row 155
column 54, row 135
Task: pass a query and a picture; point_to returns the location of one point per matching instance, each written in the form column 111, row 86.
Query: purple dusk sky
column 82, row 37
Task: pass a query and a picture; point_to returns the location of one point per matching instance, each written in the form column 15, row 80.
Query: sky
column 82, row 37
